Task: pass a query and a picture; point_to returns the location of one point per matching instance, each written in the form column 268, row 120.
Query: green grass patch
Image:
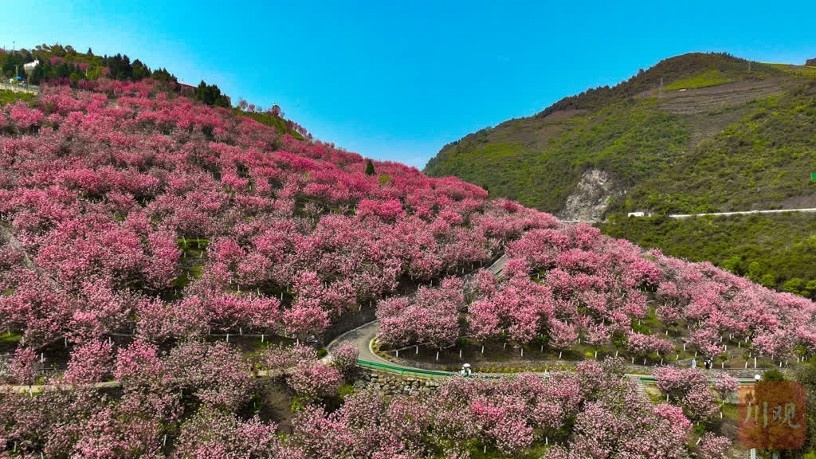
column 10, row 338
column 7, row 97
column 801, row 70
column 712, row 77
column 9, row 341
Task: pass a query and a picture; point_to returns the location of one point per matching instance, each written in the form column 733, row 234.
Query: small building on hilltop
column 28, row 67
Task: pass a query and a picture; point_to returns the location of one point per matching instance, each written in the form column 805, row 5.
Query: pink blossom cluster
column 564, row 283
column 431, row 318
column 344, row 357
column 690, row 389
column 592, row 412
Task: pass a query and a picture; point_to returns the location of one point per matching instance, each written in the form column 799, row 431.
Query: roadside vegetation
column 8, row 96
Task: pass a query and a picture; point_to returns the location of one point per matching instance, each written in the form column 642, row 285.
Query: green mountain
column 695, row 133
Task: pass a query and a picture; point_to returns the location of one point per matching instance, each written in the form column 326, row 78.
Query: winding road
column 362, row 337
column 742, row 212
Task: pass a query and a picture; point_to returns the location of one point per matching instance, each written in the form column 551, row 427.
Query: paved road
column 498, row 266
column 713, row 214
column 745, row 212
column 362, row 336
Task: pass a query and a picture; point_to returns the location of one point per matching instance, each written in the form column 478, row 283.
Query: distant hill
column 695, row 133
column 58, row 65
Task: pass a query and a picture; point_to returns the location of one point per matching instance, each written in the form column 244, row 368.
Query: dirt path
column 719, row 97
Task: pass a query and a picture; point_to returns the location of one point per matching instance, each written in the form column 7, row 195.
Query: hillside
column 694, row 133
column 170, row 269
column 159, row 245
column 694, row 127
column 58, row 65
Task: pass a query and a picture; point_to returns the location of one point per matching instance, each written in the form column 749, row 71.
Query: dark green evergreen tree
column 211, row 95
column 163, row 75
column 120, row 67
column 38, row 74
column 140, row 71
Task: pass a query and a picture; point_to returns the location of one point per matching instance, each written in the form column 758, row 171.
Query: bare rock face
column 811, row 61
column 591, row 197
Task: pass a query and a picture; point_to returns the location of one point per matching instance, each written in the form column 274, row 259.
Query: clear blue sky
column 399, row 79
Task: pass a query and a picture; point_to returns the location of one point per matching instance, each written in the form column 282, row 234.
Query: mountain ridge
column 698, row 93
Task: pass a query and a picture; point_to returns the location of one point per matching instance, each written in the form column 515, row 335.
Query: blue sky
column 397, row 80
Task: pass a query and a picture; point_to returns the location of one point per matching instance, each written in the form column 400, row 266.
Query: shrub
column 344, row 357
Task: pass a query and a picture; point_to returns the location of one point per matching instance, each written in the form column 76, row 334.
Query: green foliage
column 163, row 75
column 270, row 119
column 757, row 162
column 210, row 94
column 345, row 390
column 139, row 70
column 668, row 158
column 667, row 70
column 9, row 341
column 369, row 168
column 773, row 375
column 712, row 77
column 7, row 97
column 801, row 70
column 120, row 67
column 631, row 140
column 64, row 62
column 298, row 404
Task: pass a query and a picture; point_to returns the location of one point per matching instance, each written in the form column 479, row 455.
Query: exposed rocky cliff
column 591, row 197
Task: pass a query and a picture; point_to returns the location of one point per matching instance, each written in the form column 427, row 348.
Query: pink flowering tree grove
column 135, row 222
